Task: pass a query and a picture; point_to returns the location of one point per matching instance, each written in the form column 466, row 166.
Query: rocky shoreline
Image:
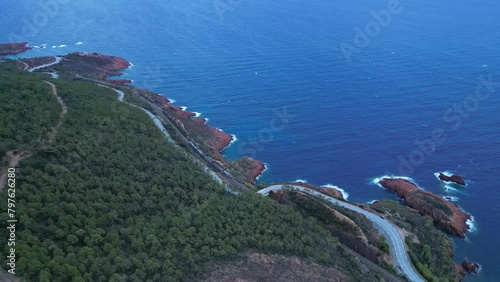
column 13, row 48
column 211, row 140
column 445, row 214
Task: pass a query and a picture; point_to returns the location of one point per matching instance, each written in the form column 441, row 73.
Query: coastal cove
column 349, row 123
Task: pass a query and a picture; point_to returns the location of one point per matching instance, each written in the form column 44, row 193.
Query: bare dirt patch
column 258, row 267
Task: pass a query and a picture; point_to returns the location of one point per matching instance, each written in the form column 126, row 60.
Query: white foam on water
column 376, row 180
column 451, row 198
column 233, row 139
column 451, row 189
column 471, row 223
column 345, row 195
column 300, row 181
column 266, row 167
column 79, row 43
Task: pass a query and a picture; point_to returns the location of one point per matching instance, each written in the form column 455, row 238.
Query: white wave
column 171, row 101
column 471, row 223
column 197, row 114
column 345, row 195
column 371, row 202
column 62, row 46
column 233, row 139
column 450, row 189
column 54, row 46
column 300, row 181
column 451, row 198
column 266, row 167
column 79, row 43
column 448, row 173
column 130, row 66
column 184, row 108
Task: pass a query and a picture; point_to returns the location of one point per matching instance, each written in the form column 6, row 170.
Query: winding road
column 57, row 60
column 394, row 238
column 157, row 121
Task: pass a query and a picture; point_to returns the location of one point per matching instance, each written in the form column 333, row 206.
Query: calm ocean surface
column 239, row 64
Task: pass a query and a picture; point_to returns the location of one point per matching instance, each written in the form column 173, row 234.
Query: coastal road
column 394, row 238
column 157, row 122
column 207, row 167
column 57, row 60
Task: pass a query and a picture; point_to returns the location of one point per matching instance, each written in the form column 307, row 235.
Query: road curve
column 157, row 122
column 57, row 60
column 395, row 240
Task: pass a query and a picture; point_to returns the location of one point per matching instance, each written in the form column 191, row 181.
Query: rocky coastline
column 13, row 48
column 99, row 67
column 445, row 214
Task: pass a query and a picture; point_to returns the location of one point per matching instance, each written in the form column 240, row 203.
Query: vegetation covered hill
column 430, row 250
column 111, row 200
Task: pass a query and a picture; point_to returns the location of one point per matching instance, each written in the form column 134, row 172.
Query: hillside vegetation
column 430, row 250
column 111, row 200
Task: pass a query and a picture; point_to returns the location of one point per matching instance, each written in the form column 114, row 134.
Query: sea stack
column 454, row 178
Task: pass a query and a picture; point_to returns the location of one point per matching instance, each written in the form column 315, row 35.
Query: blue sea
column 330, row 92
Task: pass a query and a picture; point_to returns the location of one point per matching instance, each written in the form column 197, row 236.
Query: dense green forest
column 27, row 110
column 111, row 200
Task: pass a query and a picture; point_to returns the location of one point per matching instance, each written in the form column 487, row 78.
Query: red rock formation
column 445, row 214
column 469, row 267
column 92, row 65
column 454, row 178
column 258, row 170
column 13, row 48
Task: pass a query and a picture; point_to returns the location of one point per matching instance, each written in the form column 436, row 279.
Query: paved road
column 395, row 240
column 57, row 61
column 157, row 122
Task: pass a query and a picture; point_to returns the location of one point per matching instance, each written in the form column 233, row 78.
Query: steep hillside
column 110, row 199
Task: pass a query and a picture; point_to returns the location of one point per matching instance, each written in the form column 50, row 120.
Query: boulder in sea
column 470, row 267
column 453, row 178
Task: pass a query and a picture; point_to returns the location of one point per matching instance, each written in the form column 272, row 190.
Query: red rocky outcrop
column 445, row 214
column 13, row 48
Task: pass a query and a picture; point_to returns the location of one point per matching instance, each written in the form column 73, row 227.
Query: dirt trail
column 12, row 159
column 52, row 134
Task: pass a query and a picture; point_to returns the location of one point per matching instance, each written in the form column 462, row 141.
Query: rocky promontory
column 453, row 178
column 13, row 48
column 92, row 66
column 445, row 214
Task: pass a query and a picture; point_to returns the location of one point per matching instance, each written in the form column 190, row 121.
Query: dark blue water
column 347, row 123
